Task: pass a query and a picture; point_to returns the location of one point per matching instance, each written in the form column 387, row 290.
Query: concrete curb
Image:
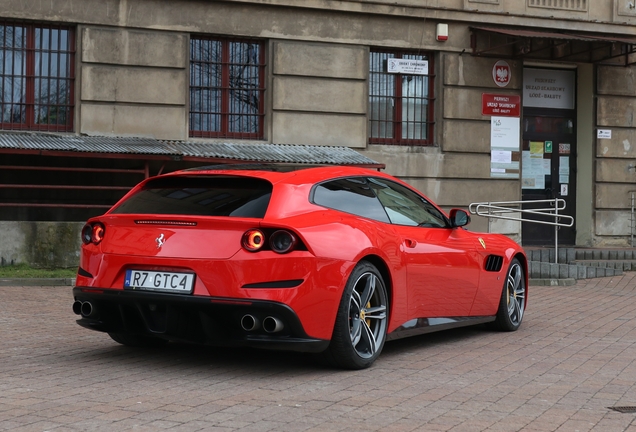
column 37, row 281
column 553, row 282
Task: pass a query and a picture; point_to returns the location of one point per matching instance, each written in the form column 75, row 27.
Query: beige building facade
column 139, row 68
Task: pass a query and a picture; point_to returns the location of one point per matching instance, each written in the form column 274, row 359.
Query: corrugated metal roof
column 309, row 154
column 261, row 152
column 26, row 141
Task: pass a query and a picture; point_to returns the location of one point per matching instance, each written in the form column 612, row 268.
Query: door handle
column 410, row 243
column 550, row 193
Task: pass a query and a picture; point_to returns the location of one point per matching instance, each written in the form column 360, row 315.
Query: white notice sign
column 604, row 134
column 405, row 66
column 548, row 88
column 504, row 133
column 534, row 170
column 564, row 165
column 564, row 190
column 504, row 147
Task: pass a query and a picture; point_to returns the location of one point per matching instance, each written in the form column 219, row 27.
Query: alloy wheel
column 516, row 293
column 367, row 315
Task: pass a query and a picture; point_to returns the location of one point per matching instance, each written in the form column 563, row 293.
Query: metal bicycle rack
column 500, row 210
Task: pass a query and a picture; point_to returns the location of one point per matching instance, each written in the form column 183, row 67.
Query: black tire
column 512, row 304
column 137, row 340
column 363, row 314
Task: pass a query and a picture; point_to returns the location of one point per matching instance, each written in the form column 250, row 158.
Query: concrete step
column 546, row 270
column 569, row 254
column 605, row 254
column 624, row 265
column 547, row 254
column 580, row 263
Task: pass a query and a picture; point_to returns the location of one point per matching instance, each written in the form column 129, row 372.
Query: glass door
column 548, row 167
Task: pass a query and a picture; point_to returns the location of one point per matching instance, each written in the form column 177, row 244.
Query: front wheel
column 360, row 329
column 512, row 304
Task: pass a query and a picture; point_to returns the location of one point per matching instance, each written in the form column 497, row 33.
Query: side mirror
column 459, row 218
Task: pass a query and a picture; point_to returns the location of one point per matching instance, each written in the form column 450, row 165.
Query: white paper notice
column 547, row 166
column 504, row 147
column 564, row 190
column 564, row 165
column 537, row 182
column 501, row 156
column 533, row 171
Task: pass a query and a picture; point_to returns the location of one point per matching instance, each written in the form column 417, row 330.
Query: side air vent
column 493, row 263
column 165, row 222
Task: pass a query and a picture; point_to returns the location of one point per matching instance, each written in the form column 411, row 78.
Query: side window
column 350, row 195
column 405, row 207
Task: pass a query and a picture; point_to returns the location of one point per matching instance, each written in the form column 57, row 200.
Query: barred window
column 226, row 88
column 400, row 104
column 37, row 73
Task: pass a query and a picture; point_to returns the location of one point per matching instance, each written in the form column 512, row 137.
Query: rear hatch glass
column 231, row 196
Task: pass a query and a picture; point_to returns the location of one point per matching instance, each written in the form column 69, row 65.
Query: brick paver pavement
column 572, row 359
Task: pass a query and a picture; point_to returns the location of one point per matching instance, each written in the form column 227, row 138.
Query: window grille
column 37, row 73
column 400, row 105
column 226, row 88
column 575, row 5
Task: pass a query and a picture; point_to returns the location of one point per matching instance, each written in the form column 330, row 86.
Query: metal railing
column 499, row 210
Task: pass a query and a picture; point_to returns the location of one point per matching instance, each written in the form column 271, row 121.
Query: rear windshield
column 205, row 196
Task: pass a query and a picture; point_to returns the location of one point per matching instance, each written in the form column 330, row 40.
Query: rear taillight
column 279, row 241
column 282, row 241
column 253, row 240
column 93, row 233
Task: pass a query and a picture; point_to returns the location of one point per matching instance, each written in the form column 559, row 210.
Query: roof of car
column 253, row 167
column 283, row 172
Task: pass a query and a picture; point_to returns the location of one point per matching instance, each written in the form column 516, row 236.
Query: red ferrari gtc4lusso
column 330, row 260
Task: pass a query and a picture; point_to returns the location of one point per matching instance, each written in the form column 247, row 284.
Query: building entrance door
column 548, row 159
column 549, row 171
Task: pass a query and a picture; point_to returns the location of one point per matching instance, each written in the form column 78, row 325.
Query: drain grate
column 624, row 409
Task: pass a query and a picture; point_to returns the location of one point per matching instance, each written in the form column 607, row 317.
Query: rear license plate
column 159, row 281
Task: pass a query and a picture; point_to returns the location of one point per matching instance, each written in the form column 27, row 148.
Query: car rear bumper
column 197, row 319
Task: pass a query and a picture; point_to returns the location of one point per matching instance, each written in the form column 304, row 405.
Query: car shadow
column 179, row 356
column 430, row 340
column 204, row 358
